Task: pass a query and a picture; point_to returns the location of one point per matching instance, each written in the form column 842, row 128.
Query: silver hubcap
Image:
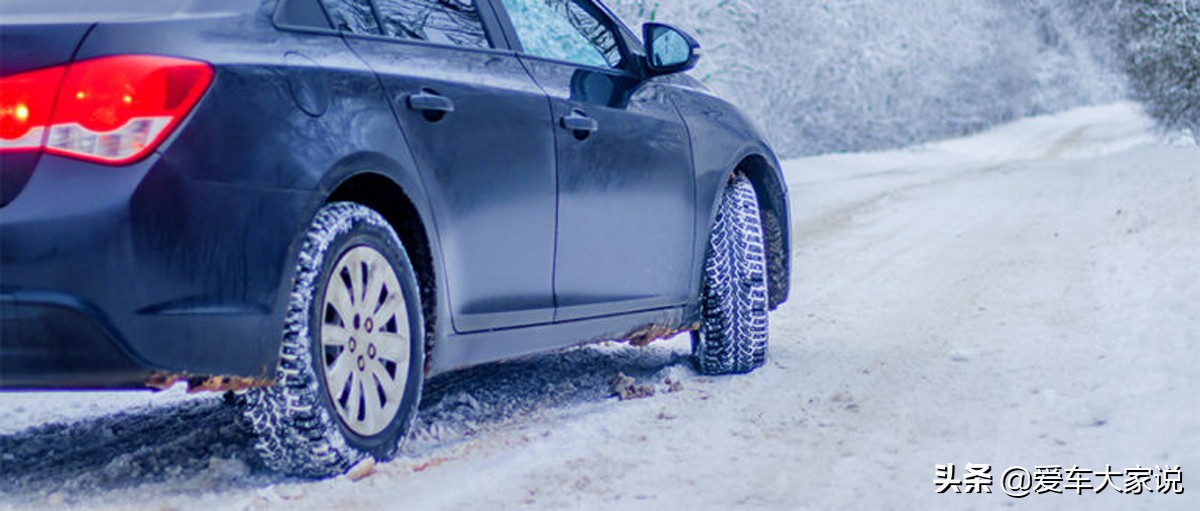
column 365, row 341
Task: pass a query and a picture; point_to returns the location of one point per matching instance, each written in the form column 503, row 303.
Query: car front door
column 477, row 127
column 626, row 193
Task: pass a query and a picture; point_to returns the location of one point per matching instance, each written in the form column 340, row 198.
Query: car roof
column 72, row 11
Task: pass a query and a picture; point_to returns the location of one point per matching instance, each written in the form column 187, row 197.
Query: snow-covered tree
column 839, row 75
column 1162, row 44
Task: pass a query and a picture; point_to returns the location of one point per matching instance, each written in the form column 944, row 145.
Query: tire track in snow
column 201, row 446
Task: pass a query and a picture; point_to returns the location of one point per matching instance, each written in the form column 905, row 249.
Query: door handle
column 428, row 101
column 580, row 124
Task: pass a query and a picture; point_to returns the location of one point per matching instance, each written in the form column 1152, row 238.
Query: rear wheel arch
column 389, row 199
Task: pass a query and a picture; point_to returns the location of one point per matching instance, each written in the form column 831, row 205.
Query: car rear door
column 477, row 126
column 626, row 185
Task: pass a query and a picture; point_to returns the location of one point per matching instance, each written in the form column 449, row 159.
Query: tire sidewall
column 383, row 444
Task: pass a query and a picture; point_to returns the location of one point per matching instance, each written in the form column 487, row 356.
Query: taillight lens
column 26, row 101
column 111, row 110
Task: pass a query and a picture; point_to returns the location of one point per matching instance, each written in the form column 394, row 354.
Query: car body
column 525, row 233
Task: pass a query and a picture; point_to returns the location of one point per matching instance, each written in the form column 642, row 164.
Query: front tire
column 733, row 332
column 352, row 360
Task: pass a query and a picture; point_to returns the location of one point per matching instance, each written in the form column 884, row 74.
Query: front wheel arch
column 776, row 224
column 776, row 220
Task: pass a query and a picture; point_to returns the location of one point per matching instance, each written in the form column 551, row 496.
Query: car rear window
column 302, row 13
column 353, row 16
column 454, row 22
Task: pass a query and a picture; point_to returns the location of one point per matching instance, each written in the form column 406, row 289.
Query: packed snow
column 1028, row 296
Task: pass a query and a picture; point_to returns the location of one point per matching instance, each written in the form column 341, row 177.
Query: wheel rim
column 365, row 344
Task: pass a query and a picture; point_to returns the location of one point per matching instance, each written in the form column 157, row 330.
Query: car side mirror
column 668, row 49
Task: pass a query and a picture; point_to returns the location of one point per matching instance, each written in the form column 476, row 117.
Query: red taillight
column 112, row 109
column 26, row 101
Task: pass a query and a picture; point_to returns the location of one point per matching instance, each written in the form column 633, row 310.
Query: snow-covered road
column 1029, row 296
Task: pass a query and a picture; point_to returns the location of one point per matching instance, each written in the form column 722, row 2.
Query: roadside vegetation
column 1161, row 40
column 852, row 75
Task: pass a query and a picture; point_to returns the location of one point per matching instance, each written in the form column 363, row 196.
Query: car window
column 301, row 13
column 353, row 16
column 563, row 30
column 453, row 22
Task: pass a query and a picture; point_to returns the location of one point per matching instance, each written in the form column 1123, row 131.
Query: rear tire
column 733, row 332
column 352, row 360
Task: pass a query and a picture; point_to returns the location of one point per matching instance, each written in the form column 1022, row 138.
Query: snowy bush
column 1162, row 46
column 841, row 75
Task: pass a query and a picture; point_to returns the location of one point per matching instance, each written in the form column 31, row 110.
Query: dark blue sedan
column 321, row 203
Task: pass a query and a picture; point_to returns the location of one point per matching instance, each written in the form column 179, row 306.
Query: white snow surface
column 1028, row 296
